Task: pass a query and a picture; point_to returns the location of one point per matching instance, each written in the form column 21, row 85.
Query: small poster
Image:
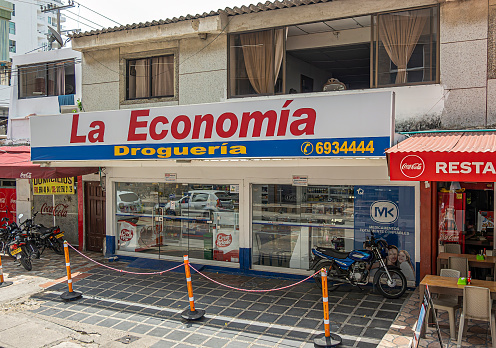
column 300, row 180
column 426, row 303
column 60, row 186
column 170, row 177
column 234, row 188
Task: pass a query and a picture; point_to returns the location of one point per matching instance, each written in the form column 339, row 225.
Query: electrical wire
column 79, row 4
column 77, row 20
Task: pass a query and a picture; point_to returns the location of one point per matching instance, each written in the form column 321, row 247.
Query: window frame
column 46, row 69
column 149, row 58
column 12, row 46
column 12, row 28
column 434, row 49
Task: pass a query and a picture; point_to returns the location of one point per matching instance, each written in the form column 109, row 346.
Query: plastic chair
column 477, row 304
column 453, row 248
column 448, row 303
column 460, row 264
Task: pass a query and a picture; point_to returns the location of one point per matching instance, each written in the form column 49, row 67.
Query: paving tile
column 286, row 320
column 124, row 325
column 177, row 335
column 374, row 333
column 159, row 332
column 268, row 318
column 196, row 339
column 141, row 328
column 163, row 344
column 109, row 322
column 93, row 319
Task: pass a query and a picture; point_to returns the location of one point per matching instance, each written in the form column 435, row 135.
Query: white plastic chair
column 448, row 303
column 460, row 264
column 477, row 304
column 452, row 248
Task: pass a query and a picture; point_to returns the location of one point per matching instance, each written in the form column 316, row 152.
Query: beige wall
column 463, row 99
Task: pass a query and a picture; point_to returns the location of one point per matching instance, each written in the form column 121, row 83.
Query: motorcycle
column 354, row 268
column 41, row 237
column 14, row 243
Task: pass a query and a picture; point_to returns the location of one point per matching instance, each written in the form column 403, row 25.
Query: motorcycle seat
column 333, row 253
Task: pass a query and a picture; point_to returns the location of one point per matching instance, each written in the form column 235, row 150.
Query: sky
column 128, row 12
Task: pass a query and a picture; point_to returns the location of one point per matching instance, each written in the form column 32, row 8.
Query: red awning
column 449, row 156
column 15, row 162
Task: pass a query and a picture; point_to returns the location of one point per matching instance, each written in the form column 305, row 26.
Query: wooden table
column 489, row 262
column 448, row 285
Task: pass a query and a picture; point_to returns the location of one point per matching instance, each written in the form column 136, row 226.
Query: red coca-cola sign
column 3, row 201
column 412, row 166
column 126, row 235
column 223, row 240
column 57, row 210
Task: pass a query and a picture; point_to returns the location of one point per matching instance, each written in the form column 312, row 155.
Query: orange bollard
column 327, row 339
column 69, row 295
column 192, row 313
column 3, row 283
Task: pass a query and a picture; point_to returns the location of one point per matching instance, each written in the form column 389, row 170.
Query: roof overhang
column 444, row 156
column 15, row 163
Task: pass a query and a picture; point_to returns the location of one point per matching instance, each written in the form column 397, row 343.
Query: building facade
column 146, row 86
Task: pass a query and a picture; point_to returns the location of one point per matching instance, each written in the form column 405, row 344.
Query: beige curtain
column 262, row 53
column 60, row 79
column 139, row 79
column 163, row 76
column 400, row 32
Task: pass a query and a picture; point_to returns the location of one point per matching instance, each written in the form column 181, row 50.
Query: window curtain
column 60, row 79
column 4, row 40
column 163, row 76
column 139, row 79
column 400, row 33
column 263, row 52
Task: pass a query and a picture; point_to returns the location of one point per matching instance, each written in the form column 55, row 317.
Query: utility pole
column 51, row 8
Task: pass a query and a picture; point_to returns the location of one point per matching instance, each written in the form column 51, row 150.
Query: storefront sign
column 389, row 213
column 329, row 125
column 63, row 186
column 442, row 166
column 170, row 177
column 300, row 180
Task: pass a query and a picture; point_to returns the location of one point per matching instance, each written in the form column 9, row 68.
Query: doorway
column 94, row 208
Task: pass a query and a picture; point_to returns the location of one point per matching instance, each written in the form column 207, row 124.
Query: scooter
column 354, row 268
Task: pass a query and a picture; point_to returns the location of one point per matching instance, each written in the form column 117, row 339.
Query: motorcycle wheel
column 395, row 290
column 57, row 246
column 25, row 261
column 332, row 271
column 33, row 251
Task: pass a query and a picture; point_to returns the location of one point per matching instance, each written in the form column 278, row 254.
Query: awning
column 444, row 156
column 15, row 162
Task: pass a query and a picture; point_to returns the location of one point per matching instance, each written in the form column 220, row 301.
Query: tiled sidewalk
column 289, row 318
column 401, row 332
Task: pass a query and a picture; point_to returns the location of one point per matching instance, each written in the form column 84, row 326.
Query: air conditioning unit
column 68, row 109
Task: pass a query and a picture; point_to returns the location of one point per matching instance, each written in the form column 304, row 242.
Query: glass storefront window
column 175, row 219
column 466, row 217
column 288, row 220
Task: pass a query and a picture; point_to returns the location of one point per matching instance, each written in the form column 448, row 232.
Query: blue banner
column 289, row 148
column 389, row 213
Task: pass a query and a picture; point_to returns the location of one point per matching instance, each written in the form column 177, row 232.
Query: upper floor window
column 150, row 77
column 378, row 50
column 47, row 79
column 12, row 46
column 12, row 29
column 13, row 9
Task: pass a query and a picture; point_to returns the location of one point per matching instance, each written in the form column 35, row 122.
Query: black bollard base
column 322, row 341
column 71, row 296
column 193, row 315
column 4, row 284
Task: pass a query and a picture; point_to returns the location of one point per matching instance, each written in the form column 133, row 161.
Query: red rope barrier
column 121, row 270
column 248, row 290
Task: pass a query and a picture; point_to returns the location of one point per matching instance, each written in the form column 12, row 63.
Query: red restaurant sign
column 442, row 166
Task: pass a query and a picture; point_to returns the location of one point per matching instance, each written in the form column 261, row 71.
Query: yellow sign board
column 61, row 186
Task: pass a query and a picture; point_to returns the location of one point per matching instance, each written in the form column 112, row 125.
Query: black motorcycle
column 354, row 268
column 14, row 243
column 40, row 237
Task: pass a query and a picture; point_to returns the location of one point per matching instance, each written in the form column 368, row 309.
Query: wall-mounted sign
column 328, row 125
column 61, row 186
column 234, row 188
column 170, row 177
column 442, row 166
column 300, row 180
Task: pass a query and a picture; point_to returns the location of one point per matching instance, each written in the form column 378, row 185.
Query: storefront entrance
column 94, row 202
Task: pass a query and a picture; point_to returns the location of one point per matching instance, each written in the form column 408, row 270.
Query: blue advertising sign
column 389, row 213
